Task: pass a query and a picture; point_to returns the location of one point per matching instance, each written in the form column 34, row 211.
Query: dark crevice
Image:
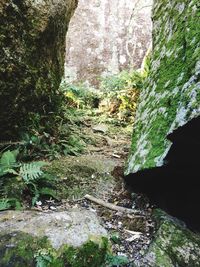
column 175, row 187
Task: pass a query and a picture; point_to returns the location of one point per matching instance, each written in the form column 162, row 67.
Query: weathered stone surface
column 71, row 238
column 107, row 37
column 173, row 245
column 72, row 228
column 32, row 41
column 102, row 128
column 171, row 96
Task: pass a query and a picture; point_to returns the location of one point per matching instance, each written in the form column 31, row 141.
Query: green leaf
column 32, row 171
column 4, row 204
column 113, row 260
column 8, row 203
column 8, row 161
column 43, row 260
column 115, row 239
column 35, row 192
column 48, row 191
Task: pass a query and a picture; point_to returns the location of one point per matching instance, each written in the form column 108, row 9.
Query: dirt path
column 99, row 172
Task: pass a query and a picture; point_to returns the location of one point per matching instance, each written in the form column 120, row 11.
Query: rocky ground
column 94, row 202
column 99, row 172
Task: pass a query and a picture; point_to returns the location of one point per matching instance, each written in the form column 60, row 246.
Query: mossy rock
column 173, row 244
column 73, row 238
column 171, row 95
column 32, row 40
column 82, row 174
column 20, row 249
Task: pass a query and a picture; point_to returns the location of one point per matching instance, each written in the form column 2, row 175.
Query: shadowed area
column 175, row 186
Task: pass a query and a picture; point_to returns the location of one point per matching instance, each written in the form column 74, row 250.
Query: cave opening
column 174, row 187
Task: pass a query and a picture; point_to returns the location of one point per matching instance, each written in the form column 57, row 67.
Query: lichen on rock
column 52, row 239
column 171, row 96
column 32, row 38
column 173, row 244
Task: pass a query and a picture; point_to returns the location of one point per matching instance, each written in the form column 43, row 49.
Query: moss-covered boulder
column 171, row 96
column 32, row 42
column 172, row 245
column 72, row 238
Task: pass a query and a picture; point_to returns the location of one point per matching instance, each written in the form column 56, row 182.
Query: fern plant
column 31, row 171
column 30, row 174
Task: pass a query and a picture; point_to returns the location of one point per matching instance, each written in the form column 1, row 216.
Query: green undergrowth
column 21, row 181
column 62, row 137
column 59, row 133
column 120, row 94
column 66, row 133
column 80, row 96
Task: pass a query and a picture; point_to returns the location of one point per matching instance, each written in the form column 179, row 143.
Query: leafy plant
column 7, row 203
column 90, row 254
column 123, row 80
column 115, row 238
column 73, row 146
column 80, row 95
column 121, row 92
column 116, row 261
column 31, row 175
column 44, row 258
column 30, row 172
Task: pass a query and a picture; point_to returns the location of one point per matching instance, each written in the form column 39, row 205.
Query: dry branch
column 112, row 206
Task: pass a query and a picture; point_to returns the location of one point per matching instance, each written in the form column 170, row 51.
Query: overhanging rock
column 171, row 96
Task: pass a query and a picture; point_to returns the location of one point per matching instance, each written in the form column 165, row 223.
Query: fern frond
column 4, row 204
column 7, row 203
column 8, row 162
column 31, row 171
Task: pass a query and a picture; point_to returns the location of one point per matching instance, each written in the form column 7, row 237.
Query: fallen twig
column 112, row 206
column 116, row 156
column 133, row 232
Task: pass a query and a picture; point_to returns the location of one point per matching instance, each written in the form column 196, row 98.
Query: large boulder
column 172, row 245
column 171, row 96
column 66, row 238
column 32, row 40
column 105, row 38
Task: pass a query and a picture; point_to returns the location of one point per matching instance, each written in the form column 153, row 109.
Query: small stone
column 38, row 203
column 52, row 208
column 101, row 128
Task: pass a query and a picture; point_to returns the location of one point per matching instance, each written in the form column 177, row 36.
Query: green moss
column 20, row 249
column 174, row 244
column 172, row 82
column 32, row 62
column 90, row 254
column 80, row 175
column 162, row 259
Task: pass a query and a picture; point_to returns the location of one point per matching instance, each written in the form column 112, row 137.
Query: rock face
column 32, row 39
column 171, row 96
column 55, row 238
column 173, row 245
column 61, row 228
column 106, row 37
